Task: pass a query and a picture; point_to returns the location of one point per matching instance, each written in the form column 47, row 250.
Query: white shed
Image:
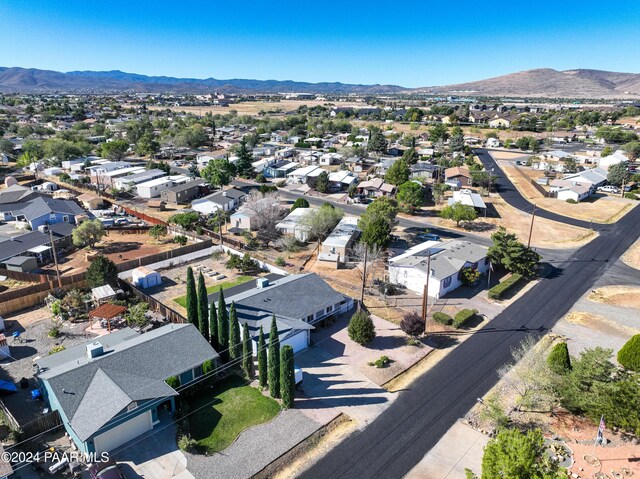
column 143, row 277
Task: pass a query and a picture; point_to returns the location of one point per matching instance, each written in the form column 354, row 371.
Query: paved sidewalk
column 461, row 447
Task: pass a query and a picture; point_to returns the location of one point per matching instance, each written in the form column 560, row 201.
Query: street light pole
column 533, row 216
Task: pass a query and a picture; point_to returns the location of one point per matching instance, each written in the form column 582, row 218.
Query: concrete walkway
column 255, row 448
column 460, row 448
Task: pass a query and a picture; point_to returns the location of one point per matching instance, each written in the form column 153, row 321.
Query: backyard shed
column 144, row 277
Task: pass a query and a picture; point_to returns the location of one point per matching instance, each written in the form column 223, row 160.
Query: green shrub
column 180, row 239
column 571, row 201
column 443, row 318
column 631, row 196
column 173, row 382
column 470, row 276
column 260, row 178
column 559, row 360
column 280, row 261
column 381, row 362
column 186, row 443
column 629, row 355
column 207, row 366
column 463, row 317
column 500, row 289
column 361, row 328
column 57, row 349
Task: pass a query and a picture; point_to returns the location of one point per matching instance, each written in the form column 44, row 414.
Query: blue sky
column 409, row 43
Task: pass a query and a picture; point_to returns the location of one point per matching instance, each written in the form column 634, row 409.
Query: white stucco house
column 448, row 259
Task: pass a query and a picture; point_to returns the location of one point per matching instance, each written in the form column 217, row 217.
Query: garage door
column 298, row 342
column 117, row 436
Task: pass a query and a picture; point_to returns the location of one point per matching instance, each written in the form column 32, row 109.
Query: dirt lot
column 632, row 256
column 546, row 233
column 254, row 107
column 118, row 247
column 599, row 208
column 624, row 296
column 599, row 324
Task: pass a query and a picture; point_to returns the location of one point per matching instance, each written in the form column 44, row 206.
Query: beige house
column 90, row 201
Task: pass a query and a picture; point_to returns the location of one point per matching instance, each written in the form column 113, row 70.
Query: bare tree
column 267, row 212
column 529, row 376
column 372, row 254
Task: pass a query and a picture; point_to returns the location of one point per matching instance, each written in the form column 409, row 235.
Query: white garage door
column 117, row 436
column 298, row 342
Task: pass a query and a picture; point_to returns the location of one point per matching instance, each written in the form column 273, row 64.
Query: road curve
column 509, row 193
column 400, row 437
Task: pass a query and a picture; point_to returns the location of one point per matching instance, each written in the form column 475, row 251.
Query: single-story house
column 298, row 301
column 90, row 201
column 423, row 169
column 154, row 188
column 23, row 264
column 557, row 155
column 469, row 198
column 448, row 259
column 337, row 245
column 299, row 176
column 144, row 277
column 112, row 389
column 596, row 176
column 375, row 187
column 341, row 180
column 226, row 200
column 458, row 177
column 129, row 182
column 492, row 143
column 293, row 224
column 36, row 243
column 577, row 192
column 183, row 193
column 613, row 159
column 41, row 210
column 500, row 123
column 279, row 169
column 14, row 193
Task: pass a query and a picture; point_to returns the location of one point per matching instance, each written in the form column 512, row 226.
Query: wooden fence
column 21, row 299
column 46, row 422
column 163, row 256
column 24, row 277
column 154, row 305
column 144, row 217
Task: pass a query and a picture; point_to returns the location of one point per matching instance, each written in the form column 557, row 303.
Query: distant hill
column 32, row 80
column 546, row 82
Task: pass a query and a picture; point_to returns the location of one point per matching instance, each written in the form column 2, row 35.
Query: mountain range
column 545, row 82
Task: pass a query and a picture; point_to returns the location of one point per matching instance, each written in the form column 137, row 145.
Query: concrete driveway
column 154, row 455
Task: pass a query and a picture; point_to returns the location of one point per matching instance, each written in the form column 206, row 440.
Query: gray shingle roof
column 133, row 368
column 16, row 193
column 223, row 197
column 447, row 258
column 40, row 206
column 23, row 243
column 291, row 298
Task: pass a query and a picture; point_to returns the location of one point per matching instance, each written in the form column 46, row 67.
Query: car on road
column 106, row 470
column 428, row 237
column 521, row 163
column 609, row 189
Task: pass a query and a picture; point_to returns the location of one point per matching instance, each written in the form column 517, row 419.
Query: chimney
column 94, row 350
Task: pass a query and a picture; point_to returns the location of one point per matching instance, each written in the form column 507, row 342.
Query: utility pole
column 55, row 258
column 533, row 216
column 364, row 274
column 425, row 295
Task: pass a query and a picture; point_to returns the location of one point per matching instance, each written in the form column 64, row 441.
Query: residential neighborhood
column 205, row 278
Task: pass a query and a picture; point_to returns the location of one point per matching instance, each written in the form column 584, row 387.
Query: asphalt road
column 400, row 437
column 511, row 195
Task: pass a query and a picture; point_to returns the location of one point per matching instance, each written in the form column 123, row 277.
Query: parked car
column 609, row 189
column 106, row 470
column 428, row 237
column 521, row 163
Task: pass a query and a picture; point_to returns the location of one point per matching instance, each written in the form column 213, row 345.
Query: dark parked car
column 428, row 237
column 106, row 470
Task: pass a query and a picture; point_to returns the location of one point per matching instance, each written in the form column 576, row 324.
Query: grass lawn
column 236, row 407
column 182, row 300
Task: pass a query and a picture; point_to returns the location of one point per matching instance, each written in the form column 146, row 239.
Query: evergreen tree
column 244, row 165
column 192, row 299
column 559, row 360
column 203, row 307
column 247, row 352
column 287, row 377
column 213, row 328
column 235, row 346
column 274, row 360
column 262, row 360
column 399, row 173
column 223, row 327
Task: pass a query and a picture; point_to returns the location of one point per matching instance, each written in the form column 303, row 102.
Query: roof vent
column 262, row 283
column 224, row 193
column 94, row 350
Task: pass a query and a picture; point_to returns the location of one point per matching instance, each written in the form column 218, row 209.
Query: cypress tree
column 235, row 346
column 203, row 307
column 287, row 377
column 247, row 352
column 213, row 327
column 559, row 360
column 223, row 327
column 274, row 360
column 262, row 360
column 192, row 299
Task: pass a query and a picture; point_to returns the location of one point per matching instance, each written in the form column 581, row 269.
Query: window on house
column 329, row 309
column 309, row 318
column 446, row 282
column 65, row 219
